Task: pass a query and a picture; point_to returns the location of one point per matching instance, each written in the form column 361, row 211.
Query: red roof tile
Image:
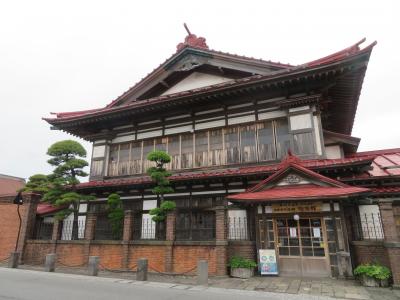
column 386, row 162
column 299, row 192
column 46, row 208
column 394, row 189
column 263, row 169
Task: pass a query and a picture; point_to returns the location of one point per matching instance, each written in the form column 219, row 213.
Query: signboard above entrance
column 296, row 207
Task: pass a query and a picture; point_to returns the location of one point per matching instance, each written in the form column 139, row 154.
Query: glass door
column 301, row 246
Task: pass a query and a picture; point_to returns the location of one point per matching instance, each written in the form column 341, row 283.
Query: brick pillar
column 170, row 238
column 126, row 237
column 391, row 240
column 90, row 226
column 56, row 234
column 91, row 218
column 28, row 220
column 56, row 230
column 221, row 240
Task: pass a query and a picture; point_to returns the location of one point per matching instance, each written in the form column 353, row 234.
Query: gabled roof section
column 283, row 73
column 295, row 182
column 192, row 54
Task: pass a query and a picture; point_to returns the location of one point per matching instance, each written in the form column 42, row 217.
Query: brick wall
column 74, row 253
column 9, row 223
column 246, row 249
column 370, row 251
column 185, row 258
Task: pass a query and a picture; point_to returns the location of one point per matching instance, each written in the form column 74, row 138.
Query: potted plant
column 373, row 275
column 241, row 267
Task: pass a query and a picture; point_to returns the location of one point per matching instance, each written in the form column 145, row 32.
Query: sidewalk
column 307, row 287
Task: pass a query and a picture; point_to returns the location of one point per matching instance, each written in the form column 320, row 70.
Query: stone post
column 93, row 266
column 391, row 239
column 13, row 260
column 126, row 237
column 142, row 268
column 170, row 238
column 50, row 262
column 28, row 216
column 221, row 240
column 202, row 272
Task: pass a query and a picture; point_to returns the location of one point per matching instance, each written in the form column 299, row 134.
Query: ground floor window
column 195, row 225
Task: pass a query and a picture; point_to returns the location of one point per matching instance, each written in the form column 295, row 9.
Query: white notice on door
column 293, row 232
column 317, row 232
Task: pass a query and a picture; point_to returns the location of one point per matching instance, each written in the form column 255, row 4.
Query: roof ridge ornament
column 289, row 159
column 191, row 40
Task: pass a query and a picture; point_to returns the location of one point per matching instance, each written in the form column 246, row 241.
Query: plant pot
column 369, row 281
column 243, row 273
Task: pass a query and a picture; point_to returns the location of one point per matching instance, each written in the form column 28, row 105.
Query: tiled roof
column 389, row 190
column 46, row 208
column 299, row 192
column 285, row 70
column 263, row 169
column 386, row 162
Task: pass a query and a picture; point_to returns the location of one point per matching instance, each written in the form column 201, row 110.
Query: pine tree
column 68, row 159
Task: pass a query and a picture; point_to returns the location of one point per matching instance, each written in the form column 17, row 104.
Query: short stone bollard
column 93, row 266
column 13, row 260
column 50, row 263
column 202, row 272
column 142, row 268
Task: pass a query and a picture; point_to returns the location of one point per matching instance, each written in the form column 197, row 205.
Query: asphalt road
column 33, row 285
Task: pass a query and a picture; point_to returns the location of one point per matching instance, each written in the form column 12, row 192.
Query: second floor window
column 257, row 142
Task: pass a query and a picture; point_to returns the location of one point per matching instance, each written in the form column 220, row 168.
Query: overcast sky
column 71, row 55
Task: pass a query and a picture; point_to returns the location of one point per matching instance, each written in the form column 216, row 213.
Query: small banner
column 268, row 263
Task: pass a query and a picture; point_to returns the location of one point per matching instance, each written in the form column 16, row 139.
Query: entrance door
column 301, row 247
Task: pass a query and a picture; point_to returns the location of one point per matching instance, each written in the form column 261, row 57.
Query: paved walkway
column 310, row 288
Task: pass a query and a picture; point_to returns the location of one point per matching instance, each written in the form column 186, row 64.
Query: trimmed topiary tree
column 38, row 183
column 115, row 215
column 160, row 176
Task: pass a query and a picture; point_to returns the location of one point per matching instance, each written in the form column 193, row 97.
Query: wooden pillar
column 170, row 238
column 391, row 238
column 126, row 237
column 221, row 240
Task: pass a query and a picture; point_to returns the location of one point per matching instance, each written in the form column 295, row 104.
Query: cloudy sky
column 72, row 55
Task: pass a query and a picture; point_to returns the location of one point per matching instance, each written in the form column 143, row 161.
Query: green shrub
column 240, row 262
column 168, row 206
column 373, row 270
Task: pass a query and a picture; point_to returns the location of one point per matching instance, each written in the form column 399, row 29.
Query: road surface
column 33, row 285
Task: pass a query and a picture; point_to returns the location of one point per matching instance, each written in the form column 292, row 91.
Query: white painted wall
column 195, row 80
column 333, row 152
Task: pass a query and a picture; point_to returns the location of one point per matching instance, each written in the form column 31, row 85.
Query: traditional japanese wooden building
column 262, row 158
